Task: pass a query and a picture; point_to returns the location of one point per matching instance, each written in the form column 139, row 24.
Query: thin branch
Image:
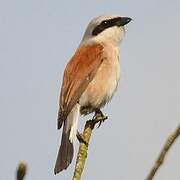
column 83, row 147
column 21, row 171
column 169, row 142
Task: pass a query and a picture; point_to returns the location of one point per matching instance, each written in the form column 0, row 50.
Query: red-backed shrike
column 90, row 79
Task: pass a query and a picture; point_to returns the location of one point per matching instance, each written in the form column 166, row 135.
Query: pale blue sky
column 38, row 37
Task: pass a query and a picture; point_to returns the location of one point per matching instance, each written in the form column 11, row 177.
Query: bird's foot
column 99, row 117
column 81, row 138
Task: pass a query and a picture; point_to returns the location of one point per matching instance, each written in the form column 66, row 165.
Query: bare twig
column 83, row 147
column 21, row 171
column 169, row 142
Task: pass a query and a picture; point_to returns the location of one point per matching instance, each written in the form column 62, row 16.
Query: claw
column 99, row 117
column 100, row 122
column 81, row 138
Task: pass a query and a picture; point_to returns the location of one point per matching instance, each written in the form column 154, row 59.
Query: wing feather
column 78, row 74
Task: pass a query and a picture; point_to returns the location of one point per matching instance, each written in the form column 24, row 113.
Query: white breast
column 114, row 72
column 104, row 84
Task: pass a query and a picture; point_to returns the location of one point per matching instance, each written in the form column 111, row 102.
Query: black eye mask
column 118, row 21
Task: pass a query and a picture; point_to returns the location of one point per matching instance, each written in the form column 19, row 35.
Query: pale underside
column 101, row 89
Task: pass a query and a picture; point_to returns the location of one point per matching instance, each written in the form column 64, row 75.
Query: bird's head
column 106, row 29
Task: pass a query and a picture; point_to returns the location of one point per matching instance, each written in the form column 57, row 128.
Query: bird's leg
column 81, row 138
column 99, row 117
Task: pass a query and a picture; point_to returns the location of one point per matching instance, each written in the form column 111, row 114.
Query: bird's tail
column 66, row 149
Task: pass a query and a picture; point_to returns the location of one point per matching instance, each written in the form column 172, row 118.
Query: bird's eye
column 105, row 22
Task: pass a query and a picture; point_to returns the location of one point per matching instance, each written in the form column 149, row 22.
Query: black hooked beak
column 123, row 21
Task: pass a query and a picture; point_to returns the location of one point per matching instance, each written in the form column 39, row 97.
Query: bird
column 90, row 79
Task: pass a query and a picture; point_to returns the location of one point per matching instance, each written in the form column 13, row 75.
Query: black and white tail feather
column 66, row 150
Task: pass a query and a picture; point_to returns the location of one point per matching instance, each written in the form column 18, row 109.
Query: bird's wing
column 78, row 74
